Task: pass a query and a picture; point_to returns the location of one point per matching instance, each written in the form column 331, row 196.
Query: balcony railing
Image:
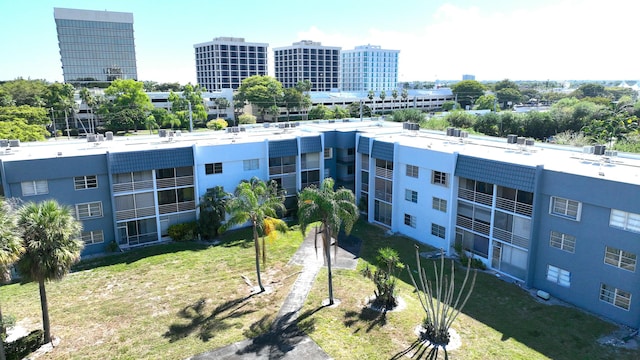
column 384, row 173
column 381, row 195
column 474, row 196
column 284, row 169
column 510, row 238
column 174, row 182
column 476, row 226
column 177, row 207
column 133, row 186
column 135, row 213
column 514, row 206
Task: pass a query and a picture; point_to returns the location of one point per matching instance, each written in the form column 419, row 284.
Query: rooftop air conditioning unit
column 520, row 140
column 14, row 143
column 162, row 133
column 4, row 143
column 599, row 149
column 529, row 142
column 100, row 138
column 91, row 138
column 587, row 149
column 109, row 135
column 512, row 139
column 450, row 131
column 611, row 153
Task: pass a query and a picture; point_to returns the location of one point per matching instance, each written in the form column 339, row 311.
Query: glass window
column 438, row 230
column 89, row 210
column 565, row 208
column 85, row 182
column 614, row 296
column 37, row 187
column 625, row 220
column 252, row 164
column 92, row 237
column 412, row 171
column 410, row 220
column 439, row 204
column 559, row 276
column 439, row 178
column 620, row 258
column 411, row 195
column 214, row 168
column 562, row 241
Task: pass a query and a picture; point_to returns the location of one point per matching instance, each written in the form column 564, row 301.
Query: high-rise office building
column 224, row 62
column 308, row 60
column 369, row 67
column 95, row 46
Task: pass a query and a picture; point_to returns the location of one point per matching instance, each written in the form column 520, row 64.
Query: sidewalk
column 285, row 340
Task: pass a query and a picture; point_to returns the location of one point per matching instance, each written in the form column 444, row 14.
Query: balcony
column 474, row 196
column 474, row 225
column 177, row 207
column 129, row 214
column 510, row 238
column 174, row 182
column 133, row 186
column 384, row 173
column 514, row 206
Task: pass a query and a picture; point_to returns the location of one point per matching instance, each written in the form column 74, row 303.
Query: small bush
column 183, row 232
column 246, row 119
column 24, row 346
column 217, row 124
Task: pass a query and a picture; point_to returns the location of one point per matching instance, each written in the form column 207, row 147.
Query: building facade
column 562, row 220
column 96, row 47
column 369, row 67
column 224, row 62
column 308, row 60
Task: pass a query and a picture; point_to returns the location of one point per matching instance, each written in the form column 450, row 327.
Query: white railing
column 135, row 213
column 174, row 182
column 514, row 206
column 133, row 186
column 384, row 173
column 474, row 196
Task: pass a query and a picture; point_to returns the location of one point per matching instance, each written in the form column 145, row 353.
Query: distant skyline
column 438, row 40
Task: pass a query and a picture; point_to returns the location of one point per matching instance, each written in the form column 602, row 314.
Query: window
column 615, row 296
column 410, row 220
column 619, row 258
column 328, row 153
column 411, row 195
column 215, row 168
column 438, row 230
column 563, row 241
column 559, row 276
column 85, row 182
column 566, row 208
column 89, row 210
column 92, row 237
column 625, row 220
column 412, row 171
column 439, row 204
column 252, row 164
column 439, row 178
column 38, row 187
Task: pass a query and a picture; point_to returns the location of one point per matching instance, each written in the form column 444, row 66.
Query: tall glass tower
column 96, row 47
column 369, row 67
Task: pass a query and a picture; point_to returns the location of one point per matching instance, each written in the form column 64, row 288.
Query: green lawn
column 176, row 300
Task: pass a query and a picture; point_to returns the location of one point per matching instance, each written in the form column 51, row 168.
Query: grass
column 180, row 299
column 501, row 320
column 162, row 302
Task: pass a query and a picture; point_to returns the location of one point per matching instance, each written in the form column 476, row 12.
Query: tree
column 213, row 205
column 354, row 110
column 404, row 95
column 292, row 100
column 508, row 95
column 129, row 105
column 10, row 250
column 460, row 119
column 394, row 95
column 332, row 209
column 505, row 84
column 222, row 104
column 450, row 105
column 50, row 235
column 26, row 92
column 486, row 102
column 320, row 111
column 29, row 114
column 254, row 201
column 467, row 91
column 91, row 101
column 589, row 90
column 188, row 104
column 246, row 119
column 303, row 88
column 382, row 96
column 261, row 91
column 339, row 112
column 59, row 98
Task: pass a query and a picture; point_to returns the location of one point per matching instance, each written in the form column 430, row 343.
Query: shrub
column 183, row 232
column 384, row 277
column 24, row 346
column 217, row 124
column 246, row 119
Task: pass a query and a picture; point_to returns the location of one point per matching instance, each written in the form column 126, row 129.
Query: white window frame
column 91, row 209
column 92, row 237
column 438, row 230
column 412, row 171
column 619, row 258
column 614, row 296
column 439, row 204
column 409, row 195
column 558, row 276
column 564, row 208
column 35, row 187
column 328, row 153
column 410, row 220
column 562, row 241
column 251, row 164
column 439, row 178
column 625, row 220
column 85, row 182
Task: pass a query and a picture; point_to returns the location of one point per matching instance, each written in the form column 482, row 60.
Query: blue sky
column 492, row 39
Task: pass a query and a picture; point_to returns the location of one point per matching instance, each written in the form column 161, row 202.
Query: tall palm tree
column 50, row 235
column 405, row 95
column 10, row 250
column 394, row 95
column 254, row 201
column 371, row 95
column 333, row 209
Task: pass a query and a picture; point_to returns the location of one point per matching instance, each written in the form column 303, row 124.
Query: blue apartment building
column 562, row 220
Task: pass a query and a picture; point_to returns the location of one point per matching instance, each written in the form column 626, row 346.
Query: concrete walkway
column 285, row 340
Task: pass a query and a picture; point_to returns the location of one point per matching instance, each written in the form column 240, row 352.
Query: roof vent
column 4, row 143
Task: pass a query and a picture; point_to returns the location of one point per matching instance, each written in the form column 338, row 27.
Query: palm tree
column 212, row 211
column 371, row 95
column 382, row 96
column 394, row 95
column 10, row 250
column 255, row 201
column 50, row 235
column 333, row 209
column 405, row 95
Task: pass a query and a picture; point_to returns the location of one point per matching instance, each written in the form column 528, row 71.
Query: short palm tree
column 255, row 201
column 10, row 250
column 212, row 211
column 333, row 208
column 50, row 235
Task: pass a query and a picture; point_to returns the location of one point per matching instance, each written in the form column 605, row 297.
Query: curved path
column 285, row 340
